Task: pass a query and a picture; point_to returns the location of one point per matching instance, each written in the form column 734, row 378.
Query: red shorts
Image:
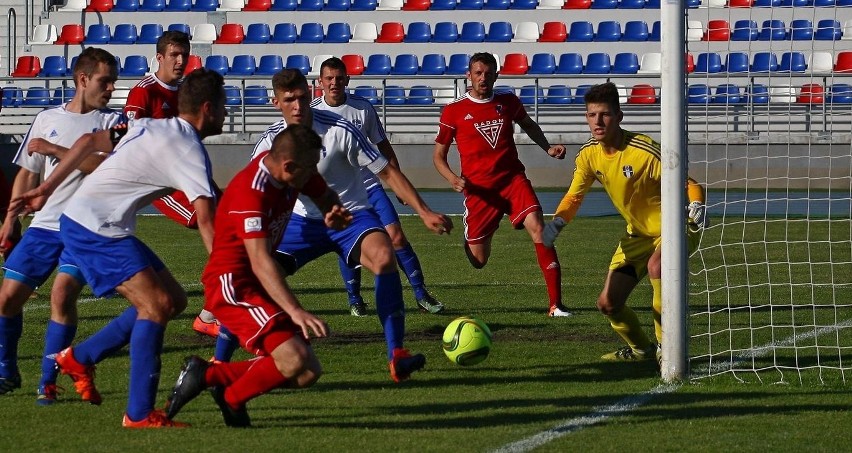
column 484, row 208
column 177, row 207
column 243, row 307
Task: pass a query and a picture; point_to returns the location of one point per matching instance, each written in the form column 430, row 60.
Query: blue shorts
column 35, row 257
column 106, row 262
column 308, row 239
column 383, row 205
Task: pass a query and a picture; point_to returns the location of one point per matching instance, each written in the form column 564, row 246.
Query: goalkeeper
column 628, row 166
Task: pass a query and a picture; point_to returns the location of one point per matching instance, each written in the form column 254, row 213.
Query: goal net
column 769, row 129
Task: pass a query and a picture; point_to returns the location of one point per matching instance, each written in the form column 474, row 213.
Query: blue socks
column 390, row 309
column 146, row 344
column 10, row 333
column 56, row 338
column 108, row 340
column 410, row 265
column 226, row 344
column 351, row 280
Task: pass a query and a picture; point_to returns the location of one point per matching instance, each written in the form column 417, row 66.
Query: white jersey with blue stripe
column 61, row 127
column 345, row 150
column 154, row 158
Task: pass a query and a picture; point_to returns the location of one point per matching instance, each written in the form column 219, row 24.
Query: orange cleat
column 403, row 364
column 82, row 375
column 206, row 328
column 155, row 419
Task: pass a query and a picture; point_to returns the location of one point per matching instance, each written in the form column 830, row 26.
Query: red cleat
column 156, row 419
column 206, row 328
column 403, row 364
column 82, row 375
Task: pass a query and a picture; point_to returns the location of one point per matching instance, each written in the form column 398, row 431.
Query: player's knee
column 399, row 241
column 607, row 305
column 655, row 266
column 478, row 258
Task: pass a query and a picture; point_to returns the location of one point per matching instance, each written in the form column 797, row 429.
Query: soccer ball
column 467, row 341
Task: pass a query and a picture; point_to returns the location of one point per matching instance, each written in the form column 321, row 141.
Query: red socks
column 258, row 377
column 552, row 272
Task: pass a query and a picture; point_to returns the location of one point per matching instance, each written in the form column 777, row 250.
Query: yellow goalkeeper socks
column 626, row 325
column 657, row 305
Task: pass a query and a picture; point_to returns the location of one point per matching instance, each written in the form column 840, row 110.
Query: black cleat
column 190, row 383
column 235, row 418
column 10, row 383
column 403, row 364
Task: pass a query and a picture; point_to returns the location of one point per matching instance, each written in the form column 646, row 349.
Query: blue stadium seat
column 12, row 96
column 232, row 95
column 692, row 4
column 394, row 95
column 708, row 63
column 310, row 5
column 300, row 62
column 604, row 4
column 581, row 31
column 608, row 31
column 134, row 66
column 597, row 63
column 757, row 94
column 185, row 28
column 369, row 93
column 70, row 71
column 284, row 33
column 457, row 64
column 793, row 62
column 727, row 93
column 542, row 63
column 736, row 62
column 284, row 5
column 337, row 5
column 256, row 95
column 178, row 5
column 840, row 93
column 218, row 63
column 828, row 30
column 62, row 94
column 418, row 32
column 745, row 30
column 363, row 5
column 433, row 64
column 378, row 64
column 794, row 3
column 635, row 31
column 558, row 94
column 338, row 32
column 205, row 5
column 580, row 93
column 445, row 32
column 530, row 95
column 472, row 32
column 655, row 31
column 500, row 31
column 570, row 63
column 53, row 66
column 630, row 4
column 523, row 4
column 469, row 4
column 773, row 30
column 37, row 97
column 97, row 34
column 124, row 34
column 125, row 6
column 269, row 65
column 766, row 3
column 652, row 4
column 311, row 32
column 420, row 95
column 764, row 62
column 801, row 30
column 831, row 3
column 257, row 33
column 625, row 63
column 242, row 65
column 405, row 64
column 152, row 6
column 496, row 4
column 149, row 33
column 443, row 5
column 698, row 94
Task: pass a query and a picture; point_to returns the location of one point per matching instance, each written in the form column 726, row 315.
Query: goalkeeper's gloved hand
column 697, row 213
column 552, row 230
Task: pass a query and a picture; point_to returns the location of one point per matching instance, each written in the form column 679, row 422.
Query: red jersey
column 483, row 130
column 152, row 98
column 253, row 206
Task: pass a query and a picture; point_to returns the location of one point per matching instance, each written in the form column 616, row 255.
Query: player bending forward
column 244, row 286
column 628, row 166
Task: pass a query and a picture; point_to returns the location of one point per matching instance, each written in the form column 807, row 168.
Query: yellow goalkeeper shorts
column 635, row 251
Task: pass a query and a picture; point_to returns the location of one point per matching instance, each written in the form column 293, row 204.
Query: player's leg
column 352, row 282
column 655, row 277
column 61, row 328
column 482, row 215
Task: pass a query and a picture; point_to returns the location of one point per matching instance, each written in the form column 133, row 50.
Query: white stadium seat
column 526, row 32
column 364, row 32
column 44, row 34
column 203, row 34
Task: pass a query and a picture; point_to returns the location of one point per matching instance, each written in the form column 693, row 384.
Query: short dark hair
column 89, row 60
column 293, row 141
column 200, row 86
column 173, row 37
column 604, row 93
column 483, row 57
column 288, row 79
column 333, row 63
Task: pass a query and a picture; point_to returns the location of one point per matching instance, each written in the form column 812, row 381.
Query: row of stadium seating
column 770, row 30
column 414, row 5
column 811, row 93
column 456, row 64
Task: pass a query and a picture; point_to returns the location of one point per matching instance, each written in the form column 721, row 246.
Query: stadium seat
column 782, row 94
column 369, row 93
column 821, row 62
column 256, row 95
column 378, row 64
column 635, row 31
column 62, row 94
column 393, row 95
column 500, row 31
column 420, row 95
column 204, row 34
column 745, row 30
column 300, row 62
column 231, row 5
column 418, row 32
column 124, row 34
column 655, row 31
column 193, row 63
column 604, row 4
column 828, row 30
column 37, row 97
column 717, row 30
column 337, row 5
column 389, row 5
column 310, row 32
column 74, row 5
column 830, row 3
column 526, row 32
column 708, row 63
column 125, row 6
column 12, row 96
column 631, row 4
column 766, row 3
column 558, row 95
column 496, row 4
column 694, row 30
column 690, row 63
column 773, row 30
column 553, row 32
column 363, row 5
column 391, row 32
column 608, row 31
column 149, row 33
column 205, row 5
column 847, row 29
column 698, row 94
column 514, row 64
column 443, row 5
column 97, row 34
column 472, row 32
column 469, row 4
column 844, row 62
column 811, row 93
column 840, row 93
column 135, row 66
column 457, row 64
column 257, row 33
column 581, row 31
column 794, row 3
column 542, row 63
column 651, row 63
column 44, row 34
column 178, row 5
column 570, row 63
column 577, row 4
column 316, row 63
column 551, row 4
column 405, row 64
column 433, row 64
column 445, row 32
column 269, row 64
column 283, row 33
column 284, row 5
column 338, row 32
column 152, row 6
column 523, row 4
column 185, row 28
column 642, row 94
column 532, row 95
column 99, row 6
column 764, row 62
column 727, row 93
column 736, row 62
column 310, row 5
column 416, row 5
column 597, row 63
column 232, row 95
column 354, row 64
column 792, row 62
column 801, row 30
column 580, row 93
column 71, row 34
column 652, row 4
column 757, row 94
column 230, row 34
column 54, row 66
column 258, row 5
column 625, row 63
column 364, row 32
column 218, row 63
column 242, row 65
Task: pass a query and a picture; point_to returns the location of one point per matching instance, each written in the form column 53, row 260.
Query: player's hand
column 28, row 202
column 557, row 151
column 40, row 146
column 310, row 324
column 10, row 235
column 438, row 222
column 551, row 231
column 697, row 213
column 338, row 217
column 459, row 183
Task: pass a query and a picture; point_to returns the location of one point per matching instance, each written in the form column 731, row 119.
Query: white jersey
column 344, row 151
column 360, row 112
column 59, row 126
column 154, row 158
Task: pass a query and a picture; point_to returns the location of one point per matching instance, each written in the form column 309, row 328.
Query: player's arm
column 533, row 130
column 269, row 273
column 696, row 209
column 204, row 210
column 336, row 216
column 439, row 159
column 387, row 150
column 570, row 203
column 24, row 181
column 45, row 148
column 403, row 188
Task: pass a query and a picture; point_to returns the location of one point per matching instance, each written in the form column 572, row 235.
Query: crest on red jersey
column 490, row 130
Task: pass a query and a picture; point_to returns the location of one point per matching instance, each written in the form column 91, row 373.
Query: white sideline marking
column 88, row 300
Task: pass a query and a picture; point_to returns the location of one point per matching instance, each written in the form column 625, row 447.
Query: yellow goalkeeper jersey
column 630, row 176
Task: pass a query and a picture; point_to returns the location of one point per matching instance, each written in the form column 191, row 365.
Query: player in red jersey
column 492, row 176
column 243, row 284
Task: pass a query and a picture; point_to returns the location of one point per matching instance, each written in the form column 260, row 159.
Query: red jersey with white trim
column 152, row 98
column 483, row 131
column 254, row 205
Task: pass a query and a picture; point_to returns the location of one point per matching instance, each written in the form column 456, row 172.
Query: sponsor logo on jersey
column 627, row 170
column 53, row 134
column 131, row 115
column 468, row 117
column 166, row 106
column 252, row 224
column 490, row 130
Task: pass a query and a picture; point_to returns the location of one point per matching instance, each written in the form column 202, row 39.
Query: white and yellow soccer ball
column 467, row 341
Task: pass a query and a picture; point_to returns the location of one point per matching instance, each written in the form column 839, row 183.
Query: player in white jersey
column 155, row 157
column 40, row 251
column 358, row 110
column 345, row 151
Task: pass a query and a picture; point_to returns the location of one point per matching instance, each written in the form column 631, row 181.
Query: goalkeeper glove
column 697, row 213
column 552, row 230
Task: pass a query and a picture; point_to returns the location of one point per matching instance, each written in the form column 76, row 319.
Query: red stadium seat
column 514, row 64
column 416, row 5
column 27, row 66
column 642, row 94
column 577, row 4
column 258, row 5
column 71, row 34
column 99, row 6
column 740, row 3
column 690, row 63
column 717, row 30
column 354, row 64
column 553, row 32
column 811, row 93
column 230, row 34
column 391, row 32
column 194, row 62
column 844, row 62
